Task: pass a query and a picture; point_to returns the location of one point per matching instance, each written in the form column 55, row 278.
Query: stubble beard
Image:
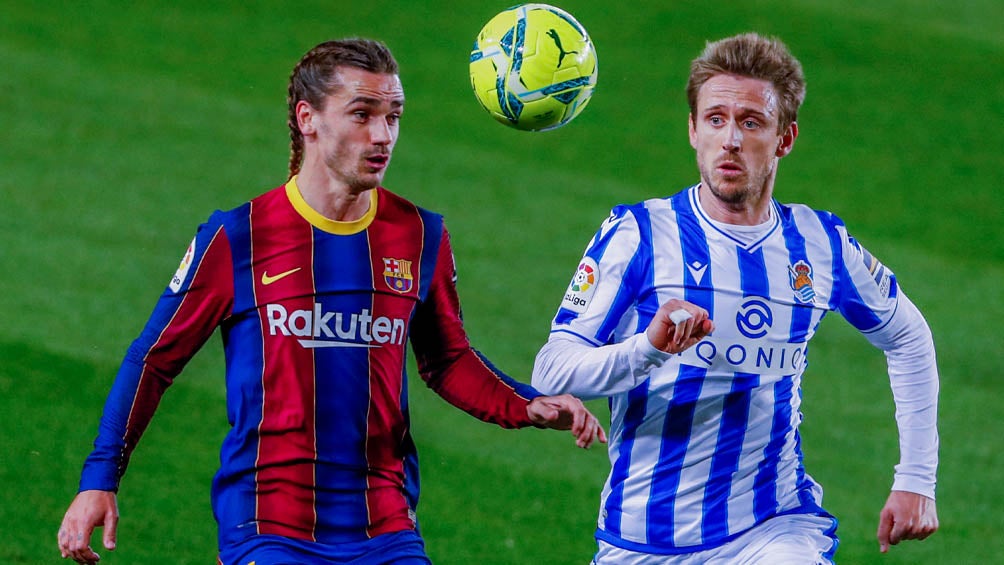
column 739, row 195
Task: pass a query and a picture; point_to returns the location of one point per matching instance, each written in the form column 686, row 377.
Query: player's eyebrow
column 743, row 110
column 373, row 101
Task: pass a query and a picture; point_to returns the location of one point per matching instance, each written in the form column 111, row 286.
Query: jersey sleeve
column 448, row 363
column 873, row 302
column 584, row 354
column 198, row 297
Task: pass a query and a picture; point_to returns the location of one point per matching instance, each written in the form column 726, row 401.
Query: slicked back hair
column 316, row 76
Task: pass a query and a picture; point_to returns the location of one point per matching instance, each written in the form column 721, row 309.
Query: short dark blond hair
column 754, row 56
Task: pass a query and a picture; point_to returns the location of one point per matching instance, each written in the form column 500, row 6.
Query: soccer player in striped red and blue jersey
column 316, row 286
column 706, row 462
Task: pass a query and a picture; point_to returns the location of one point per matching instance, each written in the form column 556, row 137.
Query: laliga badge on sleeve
column 179, row 276
column 582, row 287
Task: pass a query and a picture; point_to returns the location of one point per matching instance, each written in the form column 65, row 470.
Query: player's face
column 735, row 134
column 358, row 127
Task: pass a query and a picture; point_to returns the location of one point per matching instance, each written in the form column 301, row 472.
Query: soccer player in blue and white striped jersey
column 693, row 315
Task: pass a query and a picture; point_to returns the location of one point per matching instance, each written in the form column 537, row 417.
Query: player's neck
column 748, row 212
column 330, row 198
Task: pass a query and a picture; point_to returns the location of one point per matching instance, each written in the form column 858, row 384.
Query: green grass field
column 125, row 124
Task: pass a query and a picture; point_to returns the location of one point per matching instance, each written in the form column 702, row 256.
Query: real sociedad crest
column 800, row 277
column 397, row 274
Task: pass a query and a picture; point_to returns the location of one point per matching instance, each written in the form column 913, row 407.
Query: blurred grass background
column 125, row 124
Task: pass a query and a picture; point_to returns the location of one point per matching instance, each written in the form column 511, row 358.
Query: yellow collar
column 321, row 222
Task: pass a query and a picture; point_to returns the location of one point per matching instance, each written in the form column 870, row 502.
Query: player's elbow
column 545, row 377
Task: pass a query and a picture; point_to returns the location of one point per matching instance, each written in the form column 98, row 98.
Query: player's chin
column 367, row 180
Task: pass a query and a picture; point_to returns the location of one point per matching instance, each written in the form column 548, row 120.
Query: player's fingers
column 61, row 541
column 110, row 527
column 79, row 548
column 918, row 530
column 589, row 432
column 706, row 327
column 573, row 411
column 683, row 331
column 884, row 530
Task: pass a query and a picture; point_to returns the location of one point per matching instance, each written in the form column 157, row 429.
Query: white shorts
column 792, row 539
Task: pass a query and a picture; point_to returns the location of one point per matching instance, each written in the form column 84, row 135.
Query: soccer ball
column 533, row 67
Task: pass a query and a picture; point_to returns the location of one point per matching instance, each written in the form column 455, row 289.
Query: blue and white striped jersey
column 704, row 445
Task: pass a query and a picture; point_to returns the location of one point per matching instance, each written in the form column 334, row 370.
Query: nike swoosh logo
column 267, row 280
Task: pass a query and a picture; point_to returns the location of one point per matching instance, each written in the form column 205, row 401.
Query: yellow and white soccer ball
column 533, row 67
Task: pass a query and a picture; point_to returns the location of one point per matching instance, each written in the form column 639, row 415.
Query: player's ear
column 692, row 131
column 787, row 140
column 305, row 115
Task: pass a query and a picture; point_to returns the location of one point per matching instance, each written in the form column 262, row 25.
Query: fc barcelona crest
column 800, row 277
column 397, row 274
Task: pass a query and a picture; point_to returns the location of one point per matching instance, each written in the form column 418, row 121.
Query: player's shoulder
column 802, row 213
column 237, row 217
column 391, row 199
column 644, row 212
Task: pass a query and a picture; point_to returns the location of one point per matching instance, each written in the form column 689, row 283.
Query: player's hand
column 673, row 337
column 906, row 515
column 565, row 412
column 90, row 509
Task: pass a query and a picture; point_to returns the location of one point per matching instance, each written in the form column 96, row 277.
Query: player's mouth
column 729, row 169
column 378, row 161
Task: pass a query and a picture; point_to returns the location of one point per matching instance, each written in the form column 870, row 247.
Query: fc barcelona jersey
column 314, row 316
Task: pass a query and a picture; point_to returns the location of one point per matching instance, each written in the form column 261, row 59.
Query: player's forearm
column 913, row 377
column 473, row 384
column 567, row 365
column 127, row 412
column 915, row 389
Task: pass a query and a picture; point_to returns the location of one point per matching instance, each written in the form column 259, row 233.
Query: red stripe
column 396, row 234
column 207, row 300
column 282, row 241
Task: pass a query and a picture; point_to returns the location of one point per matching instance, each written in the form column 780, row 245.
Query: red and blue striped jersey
column 314, row 315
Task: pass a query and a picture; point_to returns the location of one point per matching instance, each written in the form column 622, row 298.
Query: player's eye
column 751, row 124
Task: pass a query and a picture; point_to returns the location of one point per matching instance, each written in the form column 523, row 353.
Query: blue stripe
column 596, row 250
column 735, row 412
column 846, row 298
column 342, row 272
column 801, row 314
column 522, row 389
column 679, row 415
column 432, row 234
column 243, row 346
column 803, row 485
column 831, row 532
column 765, row 483
column 725, row 463
column 676, row 437
column 694, row 247
column 753, row 273
column 838, row 273
column 637, row 400
column 638, row 275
